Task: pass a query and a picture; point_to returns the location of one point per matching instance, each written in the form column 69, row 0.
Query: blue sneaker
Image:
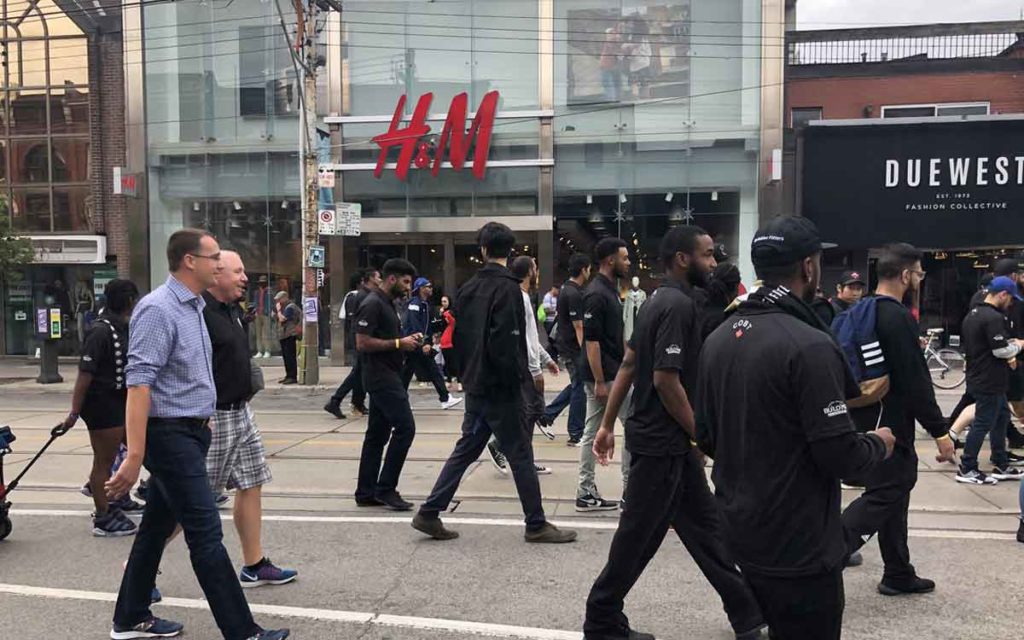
column 156, row 596
column 152, row 628
column 265, row 573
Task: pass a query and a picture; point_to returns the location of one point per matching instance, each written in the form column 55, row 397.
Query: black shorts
column 104, row 410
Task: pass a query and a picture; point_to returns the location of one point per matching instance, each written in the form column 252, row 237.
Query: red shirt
column 449, row 330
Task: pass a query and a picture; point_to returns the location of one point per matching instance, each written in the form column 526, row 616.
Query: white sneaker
column 451, row 402
column 542, row 470
column 545, row 429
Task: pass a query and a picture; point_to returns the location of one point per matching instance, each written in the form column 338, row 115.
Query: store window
column 935, row 110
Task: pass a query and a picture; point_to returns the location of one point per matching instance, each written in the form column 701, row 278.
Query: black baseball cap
column 1005, row 266
column 851, row 277
column 721, row 254
column 786, row 240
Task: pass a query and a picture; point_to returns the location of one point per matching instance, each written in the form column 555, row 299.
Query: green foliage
column 15, row 251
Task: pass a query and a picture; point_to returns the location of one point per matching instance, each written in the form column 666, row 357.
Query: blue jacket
column 417, row 318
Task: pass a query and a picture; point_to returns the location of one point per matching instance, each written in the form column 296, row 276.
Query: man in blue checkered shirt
column 171, row 396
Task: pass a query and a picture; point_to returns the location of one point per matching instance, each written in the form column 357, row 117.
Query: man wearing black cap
column 849, row 291
column 772, row 413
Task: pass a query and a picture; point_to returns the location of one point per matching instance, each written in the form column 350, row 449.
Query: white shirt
column 538, row 357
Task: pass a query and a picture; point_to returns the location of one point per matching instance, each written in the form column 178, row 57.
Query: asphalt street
column 366, row 574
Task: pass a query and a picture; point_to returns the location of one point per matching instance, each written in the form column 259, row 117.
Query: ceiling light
column 714, row 196
column 284, row 204
column 195, row 206
column 590, row 198
column 237, row 205
column 623, row 198
column 669, row 196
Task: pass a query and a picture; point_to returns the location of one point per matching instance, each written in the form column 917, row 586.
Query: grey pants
column 595, row 414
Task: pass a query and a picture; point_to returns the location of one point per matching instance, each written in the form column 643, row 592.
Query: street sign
column 325, row 178
column 327, row 222
column 316, row 257
column 349, row 218
column 311, row 309
column 100, row 278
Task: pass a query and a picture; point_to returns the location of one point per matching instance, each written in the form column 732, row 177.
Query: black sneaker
column 593, row 503
column 143, row 490
column 271, row 634
column 393, row 500
column 1014, row 460
column 855, row 559
column 1020, row 532
column 757, row 633
column 497, row 458
column 127, row 505
column 545, row 429
column 152, row 628
column 905, row 587
column 113, row 524
column 573, row 442
column 624, row 634
column 1007, row 473
column 973, row 476
column 550, row 534
column 334, row 410
column 368, row 502
column 433, row 527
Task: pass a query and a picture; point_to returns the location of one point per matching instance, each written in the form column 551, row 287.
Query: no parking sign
column 326, row 219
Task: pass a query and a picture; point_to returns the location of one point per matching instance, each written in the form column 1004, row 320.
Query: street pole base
column 49, row 378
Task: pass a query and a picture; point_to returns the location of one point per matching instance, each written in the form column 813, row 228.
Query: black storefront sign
column 937, row 185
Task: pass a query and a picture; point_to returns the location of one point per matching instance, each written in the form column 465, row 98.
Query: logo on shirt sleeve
column 573, row 314
column 587, row 316
column 363, row 323
column 673, row 350
column 86, row 358
column 835, row 409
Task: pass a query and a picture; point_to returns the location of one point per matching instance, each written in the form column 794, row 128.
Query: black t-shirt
column 602, row 323
column 229, row 336
column 104, row 355
column 667, row 337
column 986, row 328
column 377, row 318
column 771, row 387
column 569, row 309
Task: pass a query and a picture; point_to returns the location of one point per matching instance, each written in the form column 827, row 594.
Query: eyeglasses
column 215, row 257
column 919, row 274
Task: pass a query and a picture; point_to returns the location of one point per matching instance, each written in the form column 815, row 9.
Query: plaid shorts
column 237, row 459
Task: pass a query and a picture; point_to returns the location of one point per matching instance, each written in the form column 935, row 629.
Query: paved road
column 367, row 574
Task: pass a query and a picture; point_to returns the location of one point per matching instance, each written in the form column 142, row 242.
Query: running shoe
column 450, row 402
column 542, row 470
column 127, row 505
column 573, row 442
column 974, row 476
column 545, row 428
column 152, row 628
column 590, row 502
column 265, row 573
column 271, row 634
column 497, row 458
column 1007, row 473
column 221, row 500
column 1014, row 460
column 113, row 524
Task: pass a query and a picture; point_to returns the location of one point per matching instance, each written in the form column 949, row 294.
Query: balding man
column 237, row 459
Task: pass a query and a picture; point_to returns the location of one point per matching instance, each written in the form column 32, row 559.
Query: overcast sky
column 837, row 14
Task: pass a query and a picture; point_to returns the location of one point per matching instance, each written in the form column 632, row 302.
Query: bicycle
column 946, row 365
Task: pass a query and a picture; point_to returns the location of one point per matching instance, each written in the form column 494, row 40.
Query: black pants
column 352, row 383
column 882, row 509
column 179, row 492
column 424, row 366
column 288, row 354
column 533, row 409
column 485, row 416
column 390, row 420
column 802, row 608
column 664, row 490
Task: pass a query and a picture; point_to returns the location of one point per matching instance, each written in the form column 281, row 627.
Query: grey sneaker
column 550, row 534
column 973, row 476
column 1007, row 473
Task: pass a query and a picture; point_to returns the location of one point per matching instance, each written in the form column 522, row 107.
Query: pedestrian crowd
column 786, row 394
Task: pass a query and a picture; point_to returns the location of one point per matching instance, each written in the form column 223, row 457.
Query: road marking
column 596, row 525
column 330, row 615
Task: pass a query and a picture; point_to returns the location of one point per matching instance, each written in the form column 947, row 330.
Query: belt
column 231, row 406
column 192, row 422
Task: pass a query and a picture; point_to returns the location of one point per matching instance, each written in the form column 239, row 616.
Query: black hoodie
column 490, row 336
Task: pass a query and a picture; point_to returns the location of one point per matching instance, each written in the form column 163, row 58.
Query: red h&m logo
column 415, row 150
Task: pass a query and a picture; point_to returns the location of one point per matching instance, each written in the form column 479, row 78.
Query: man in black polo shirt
column 237, row 459
column 569, row 341
column 604, row 348
column 991, row 355
column 667, row 485
column 368, row 281
column 771, row 411
column 490, row 336
column 381, row 349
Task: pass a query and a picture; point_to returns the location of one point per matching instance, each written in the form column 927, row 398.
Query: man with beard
column 772, row 413
column 667, row 485
column 603, row 352
column 381, row 349
column 911, row 398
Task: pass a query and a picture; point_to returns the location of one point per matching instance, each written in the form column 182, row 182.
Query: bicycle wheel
column 947, row 367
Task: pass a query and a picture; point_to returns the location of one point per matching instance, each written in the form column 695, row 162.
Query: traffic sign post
column 348, row 218
column 327, row 222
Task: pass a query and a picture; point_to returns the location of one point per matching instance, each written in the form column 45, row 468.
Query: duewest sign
column 939, row 185
column 454, row 137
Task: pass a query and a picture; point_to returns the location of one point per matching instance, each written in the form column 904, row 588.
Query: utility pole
column 306, row 35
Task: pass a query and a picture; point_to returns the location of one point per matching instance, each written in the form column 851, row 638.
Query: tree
column 15, row 251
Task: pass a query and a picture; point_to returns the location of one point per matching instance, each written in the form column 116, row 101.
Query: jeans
column 390, row 419
column 663, row 491
column 354, row 383
column 179, row 493
column 991, row 414
column 289, row 354
column 572, row 396
column 424, row 366
column 262, row 327
column 883, row 509
column 595, row 414
column 484, row 417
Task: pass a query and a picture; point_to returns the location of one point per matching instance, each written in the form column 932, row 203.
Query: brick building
column 62, row 132
column 882, row 97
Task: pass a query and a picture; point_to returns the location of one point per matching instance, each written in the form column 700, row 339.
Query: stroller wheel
column 5, row 527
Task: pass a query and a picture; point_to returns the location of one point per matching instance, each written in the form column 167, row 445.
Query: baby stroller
column 6, row 438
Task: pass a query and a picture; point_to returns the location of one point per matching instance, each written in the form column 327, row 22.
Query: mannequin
column 634, row 298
